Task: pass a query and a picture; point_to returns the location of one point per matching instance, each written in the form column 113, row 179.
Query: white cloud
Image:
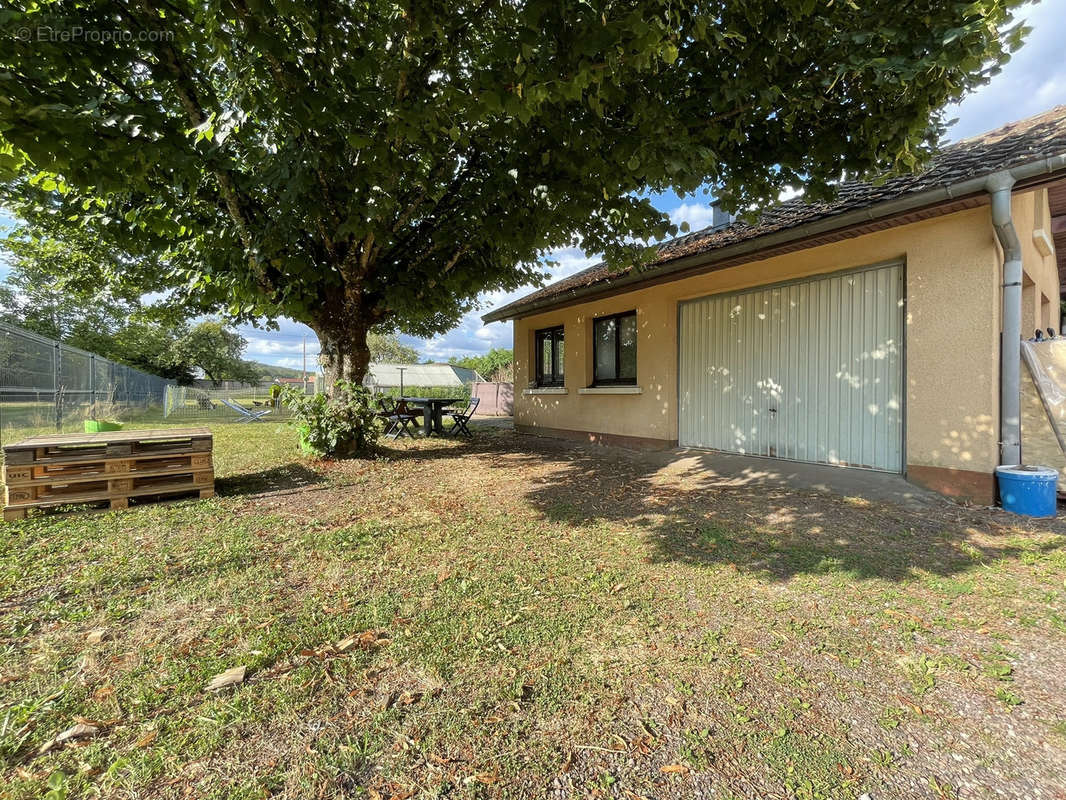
column 1034, row 80
column 697, row 215
column 275, row 347
column 296, row 363
column 569, row 260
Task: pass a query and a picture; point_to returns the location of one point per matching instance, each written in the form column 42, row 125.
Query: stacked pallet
column 46, row 471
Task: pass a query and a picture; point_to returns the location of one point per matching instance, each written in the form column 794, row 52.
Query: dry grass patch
column 513, row 617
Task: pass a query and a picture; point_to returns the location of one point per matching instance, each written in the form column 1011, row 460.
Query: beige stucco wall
column 952, row 339
column 1040, row 307
column 1040, row 284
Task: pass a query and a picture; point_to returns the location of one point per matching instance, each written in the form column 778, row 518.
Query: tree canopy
column 376, row 165
column 49, row 290
column 386, row 348
column 494, row 365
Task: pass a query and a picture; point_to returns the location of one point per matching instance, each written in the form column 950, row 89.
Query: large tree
column 67, row 285
column 44, row 290
column 379, row 163
column 386, row 348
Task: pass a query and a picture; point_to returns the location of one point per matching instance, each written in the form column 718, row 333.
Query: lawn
column 516, row 617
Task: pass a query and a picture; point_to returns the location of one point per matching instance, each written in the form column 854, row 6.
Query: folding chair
column 401, row 421
column 460, row 418
column 387, row 412
column 247, row 415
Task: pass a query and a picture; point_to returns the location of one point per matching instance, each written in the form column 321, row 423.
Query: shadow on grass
column 286, row 476
column 752, row 520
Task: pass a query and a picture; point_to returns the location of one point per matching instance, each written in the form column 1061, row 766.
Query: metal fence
column 223, row 405
column 47, row 385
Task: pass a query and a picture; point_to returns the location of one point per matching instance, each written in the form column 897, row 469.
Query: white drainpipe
column 1010, row 407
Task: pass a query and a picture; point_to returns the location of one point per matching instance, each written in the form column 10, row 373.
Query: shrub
column 340, row 426
column 460, row 392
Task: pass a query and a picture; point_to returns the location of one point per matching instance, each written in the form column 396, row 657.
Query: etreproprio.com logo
column 78, row 33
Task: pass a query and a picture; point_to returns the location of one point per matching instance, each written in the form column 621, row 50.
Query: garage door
column 808, row 371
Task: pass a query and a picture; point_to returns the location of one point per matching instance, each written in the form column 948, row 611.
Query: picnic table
column 432, row 408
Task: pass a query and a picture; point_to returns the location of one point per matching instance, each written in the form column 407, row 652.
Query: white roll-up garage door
column 808, row 371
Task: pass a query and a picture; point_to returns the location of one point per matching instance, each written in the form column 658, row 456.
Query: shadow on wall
column 749, row 520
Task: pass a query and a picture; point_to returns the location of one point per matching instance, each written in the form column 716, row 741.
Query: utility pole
column 303, row 377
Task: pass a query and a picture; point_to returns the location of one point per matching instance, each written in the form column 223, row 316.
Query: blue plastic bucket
column 1029, row 491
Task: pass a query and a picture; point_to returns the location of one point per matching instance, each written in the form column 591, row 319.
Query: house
column 388, row 376
column 864, row 332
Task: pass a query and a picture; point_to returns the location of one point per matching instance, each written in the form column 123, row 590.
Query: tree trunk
column 344, row 352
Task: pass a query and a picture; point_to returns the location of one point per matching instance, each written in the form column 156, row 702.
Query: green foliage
column 59, row 286
column 274, row 371
column 460, row 392
column 495, row 365
column 386, row 348
column 1008, row 697
column 339, row 425
column 379, row 166
column 42, row 294
column 216, row 350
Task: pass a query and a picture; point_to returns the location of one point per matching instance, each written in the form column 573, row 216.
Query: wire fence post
column 92, row 386
column 45, row 384
column 57, row 394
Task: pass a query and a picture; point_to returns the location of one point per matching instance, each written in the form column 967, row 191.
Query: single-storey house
column 865, row 332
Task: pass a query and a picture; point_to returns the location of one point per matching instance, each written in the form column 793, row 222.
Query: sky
column 1033, row 81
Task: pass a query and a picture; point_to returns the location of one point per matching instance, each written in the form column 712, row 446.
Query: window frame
column 557, row 334
column 615, row 381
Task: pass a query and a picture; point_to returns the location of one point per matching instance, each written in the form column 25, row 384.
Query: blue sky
column 1033, row 81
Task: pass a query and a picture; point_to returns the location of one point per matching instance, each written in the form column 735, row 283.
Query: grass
column 514, row 617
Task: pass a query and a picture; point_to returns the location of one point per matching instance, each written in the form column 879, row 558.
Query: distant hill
column 274, row 371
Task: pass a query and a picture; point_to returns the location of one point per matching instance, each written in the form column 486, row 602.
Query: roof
column 388, row 375
column 1026, row 141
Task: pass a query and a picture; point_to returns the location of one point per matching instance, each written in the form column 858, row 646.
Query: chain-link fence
column 223, row 405
column 47, row 385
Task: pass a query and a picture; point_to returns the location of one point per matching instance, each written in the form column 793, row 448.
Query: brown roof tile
column 1009, row 146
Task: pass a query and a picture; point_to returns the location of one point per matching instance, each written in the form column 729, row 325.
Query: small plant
column 1007, row 697
column 340, row 426
column 921, row 673
column 890, row 718
column 695, row 750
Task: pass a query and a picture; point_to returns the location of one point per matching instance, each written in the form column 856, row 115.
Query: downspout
column 1010, row 407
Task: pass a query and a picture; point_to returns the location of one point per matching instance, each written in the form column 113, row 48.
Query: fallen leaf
column 344, row 645
column 675, row 768
column 79, row 731
column 147, row 739
column 97, row 636
column 230, row 677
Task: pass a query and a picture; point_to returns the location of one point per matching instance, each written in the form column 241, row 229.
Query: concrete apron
column 710, row 469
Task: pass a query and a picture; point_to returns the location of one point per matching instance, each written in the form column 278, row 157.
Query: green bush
column 340, row 426
column 462, row 393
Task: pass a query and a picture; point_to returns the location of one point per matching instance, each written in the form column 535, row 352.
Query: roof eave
column 1042, row 166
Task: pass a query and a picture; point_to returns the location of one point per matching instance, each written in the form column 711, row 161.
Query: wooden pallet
column 69, row 448
column 49, row 471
